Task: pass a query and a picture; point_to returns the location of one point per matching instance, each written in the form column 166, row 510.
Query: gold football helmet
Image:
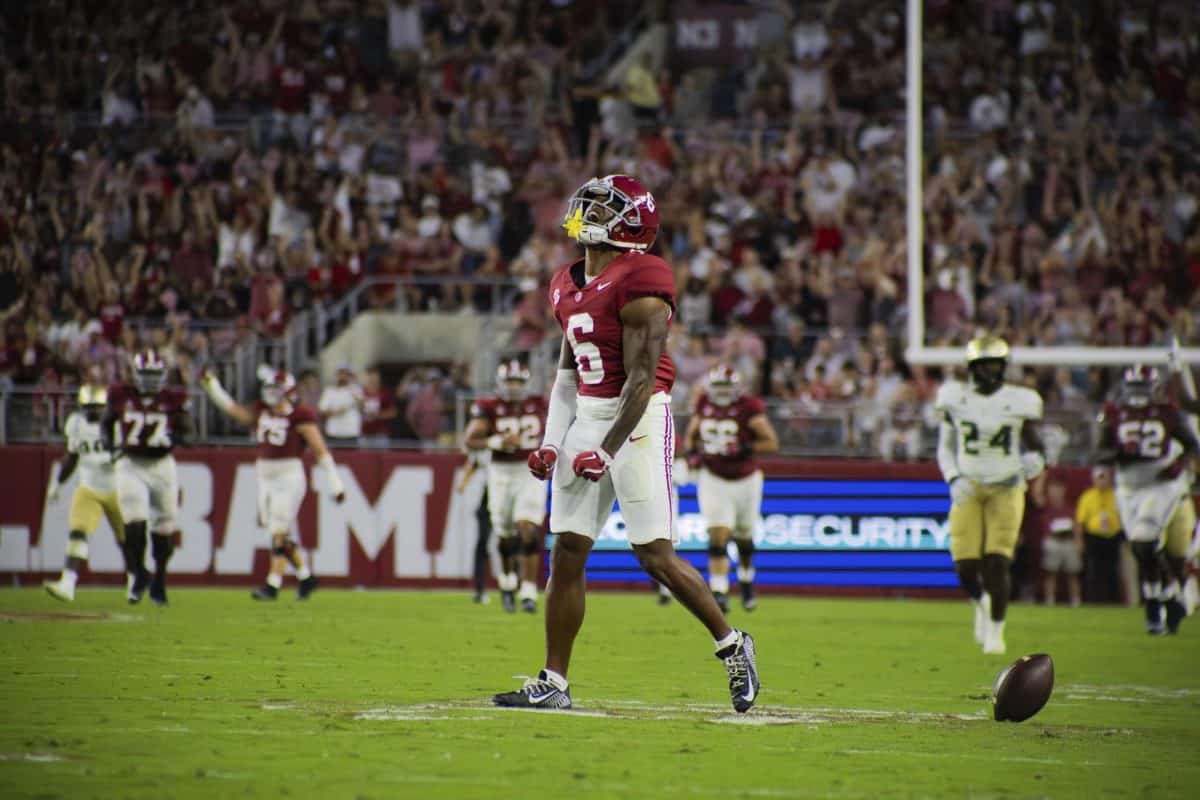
column 987, row 361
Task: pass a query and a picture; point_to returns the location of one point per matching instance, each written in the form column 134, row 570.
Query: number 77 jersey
column 146, row 425
column 988, row 428
column 590, row 315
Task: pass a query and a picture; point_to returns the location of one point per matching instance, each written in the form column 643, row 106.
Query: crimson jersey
column 277, row 434
column 590, row 316
column 525, row 417
column 147, row 426
column 1150, row 441
column 725, row 437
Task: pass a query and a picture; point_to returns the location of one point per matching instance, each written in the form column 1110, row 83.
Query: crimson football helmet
column 724, row 385
column 512, row 379
column 1139, row 384
column 277, row 385
column 149, row 372
column 616, row 210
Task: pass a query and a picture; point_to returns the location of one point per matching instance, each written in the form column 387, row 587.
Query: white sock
column 69, row 577
column 507, row 581
column 304, row 573
column 275, row 580
column 719, row 583
column 557, row 680
column 746, row 574
column 528, row 590
column 997, row 628
column 1152, row 591
column 733, row 637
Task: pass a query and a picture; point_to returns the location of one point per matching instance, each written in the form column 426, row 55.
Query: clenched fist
column 541, row 461
column 593, row 464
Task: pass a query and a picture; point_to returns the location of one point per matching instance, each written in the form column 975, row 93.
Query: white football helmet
column 724, row 385
column 149, row 372
column 512, row 380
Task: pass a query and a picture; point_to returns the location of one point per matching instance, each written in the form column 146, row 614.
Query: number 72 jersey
column 525, row 418
column 988, row 428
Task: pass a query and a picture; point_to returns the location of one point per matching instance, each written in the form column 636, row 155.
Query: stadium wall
column 829, row 526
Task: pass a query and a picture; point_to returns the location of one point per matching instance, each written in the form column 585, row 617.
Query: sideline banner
column 826, row 524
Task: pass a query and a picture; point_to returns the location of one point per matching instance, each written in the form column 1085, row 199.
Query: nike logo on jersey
column 600, row 287
column 638, row 438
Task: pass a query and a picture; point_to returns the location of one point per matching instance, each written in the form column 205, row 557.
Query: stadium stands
column 234, row 181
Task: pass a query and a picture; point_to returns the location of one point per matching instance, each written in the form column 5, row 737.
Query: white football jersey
column 988, row 428
column 95, row 463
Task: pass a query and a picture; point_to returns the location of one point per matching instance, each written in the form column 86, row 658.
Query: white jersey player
column 988, row 447
column 96, row 494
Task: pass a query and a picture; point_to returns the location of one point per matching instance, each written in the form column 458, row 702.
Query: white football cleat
column 60, row 590
column 993, row 639
column 983, row 615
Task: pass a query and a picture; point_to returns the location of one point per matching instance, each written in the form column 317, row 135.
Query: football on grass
column 1023, row 688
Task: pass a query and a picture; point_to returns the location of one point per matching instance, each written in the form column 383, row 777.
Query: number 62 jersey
column 1149, row 441
column 988, row 428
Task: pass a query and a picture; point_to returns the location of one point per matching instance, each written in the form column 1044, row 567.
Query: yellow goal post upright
column 917, row 352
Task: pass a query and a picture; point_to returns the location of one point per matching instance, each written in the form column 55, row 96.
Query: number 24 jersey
column 988, row 427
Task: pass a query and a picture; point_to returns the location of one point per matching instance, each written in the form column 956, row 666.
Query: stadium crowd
column 201, row 174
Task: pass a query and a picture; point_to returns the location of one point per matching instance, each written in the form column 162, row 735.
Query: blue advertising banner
column 821, row 533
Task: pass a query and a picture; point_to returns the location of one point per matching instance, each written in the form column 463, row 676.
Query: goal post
column 917, row 352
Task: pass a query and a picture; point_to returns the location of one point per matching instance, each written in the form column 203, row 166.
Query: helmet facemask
column 597, row 210
column 150, row 380
column 988, row 374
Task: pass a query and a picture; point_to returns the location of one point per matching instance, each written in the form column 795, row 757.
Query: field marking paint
column 970, row 757
column 1125, row 693
column 618, row 788
column 626, row 709
column 37, row 758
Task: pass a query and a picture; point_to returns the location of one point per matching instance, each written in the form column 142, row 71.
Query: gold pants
column 88, row 505
column 986, row 523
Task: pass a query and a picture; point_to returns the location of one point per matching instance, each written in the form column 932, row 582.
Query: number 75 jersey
column 987, row 427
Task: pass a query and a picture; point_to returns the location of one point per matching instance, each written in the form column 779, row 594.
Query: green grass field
column 385, row 695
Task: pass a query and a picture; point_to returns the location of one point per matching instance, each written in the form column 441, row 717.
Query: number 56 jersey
column 988, row 428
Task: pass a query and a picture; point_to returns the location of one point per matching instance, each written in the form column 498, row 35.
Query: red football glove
column 593, row 464
column 541, row 462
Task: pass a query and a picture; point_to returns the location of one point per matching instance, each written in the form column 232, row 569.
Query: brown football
column 1023, row 688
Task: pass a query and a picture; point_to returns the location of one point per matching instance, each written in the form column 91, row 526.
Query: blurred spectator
column 901, row 424
column 1098, row 525
column 1062, row 546
column 340, row 407
column 378, row 409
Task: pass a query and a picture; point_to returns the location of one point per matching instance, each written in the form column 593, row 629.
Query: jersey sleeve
column 752, row 407
column 1031, row 405
column 651, row 277
column 71, row 431
column 304, row 415
column 483, row 408
column 942, row 401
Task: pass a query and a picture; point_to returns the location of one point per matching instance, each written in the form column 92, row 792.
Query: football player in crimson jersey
column 1154, row 449
column 726, row 432
column 142, row 424
column 282, row 428
column 609, row 433
column 510, row 425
